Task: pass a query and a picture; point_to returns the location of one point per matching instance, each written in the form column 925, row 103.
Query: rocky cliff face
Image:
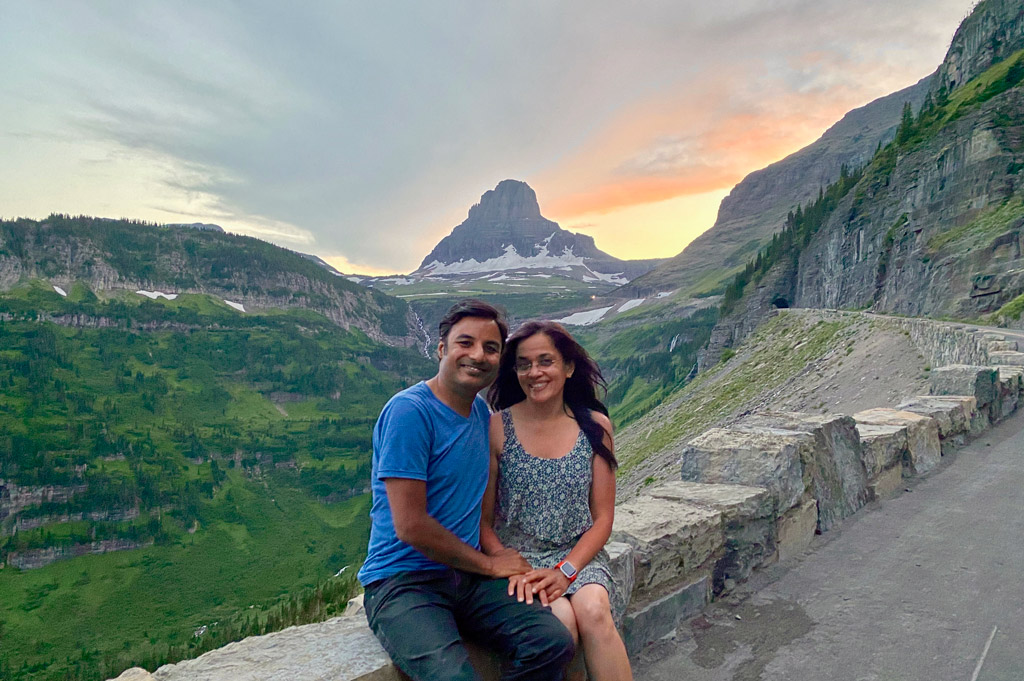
column 112, row 256
column 758, row 205
column 993, row 32
column 941, row 236
column 936, row 225
column 507, row 231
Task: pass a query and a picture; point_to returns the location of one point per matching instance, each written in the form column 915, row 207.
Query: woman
column 551, row 493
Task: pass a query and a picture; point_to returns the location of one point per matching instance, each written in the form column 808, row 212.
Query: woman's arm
column 550, row 583
column 489, row 542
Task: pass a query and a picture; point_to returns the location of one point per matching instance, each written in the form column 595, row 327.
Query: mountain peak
column 508, row 217
column 510, row 200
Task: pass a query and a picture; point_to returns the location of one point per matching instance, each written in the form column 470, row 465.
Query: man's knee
column 549, row 641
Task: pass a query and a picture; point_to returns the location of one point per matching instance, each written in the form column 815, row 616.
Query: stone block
column 621, row 562
column 747, row 520
column 1011, row 385
column 833, row 469
column 1012, row 378
column 957, row 416
column 755, row 457
column 796, row 528
column 1006, row 358
column 736, row 503
column 1002, row 346
column 342, row 648
column 962, row 379
column 882, row 447
column 923, row 448
column 673, row 542
column 888, row 483
column 661, row 617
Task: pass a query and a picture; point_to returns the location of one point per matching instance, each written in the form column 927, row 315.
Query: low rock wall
column 750, row 495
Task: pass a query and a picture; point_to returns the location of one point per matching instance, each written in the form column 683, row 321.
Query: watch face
column 567, row 569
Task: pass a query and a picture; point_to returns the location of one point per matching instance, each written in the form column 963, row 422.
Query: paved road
column 928, row 586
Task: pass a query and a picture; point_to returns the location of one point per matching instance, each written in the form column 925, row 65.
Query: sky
column 362, row 132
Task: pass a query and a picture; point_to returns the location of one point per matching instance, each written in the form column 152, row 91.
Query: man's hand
column 507, row 562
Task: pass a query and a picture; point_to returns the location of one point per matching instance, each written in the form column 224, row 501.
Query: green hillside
column 231, row 448
column 646, row 355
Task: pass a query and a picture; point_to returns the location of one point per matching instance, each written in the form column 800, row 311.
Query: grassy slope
column 779, row 350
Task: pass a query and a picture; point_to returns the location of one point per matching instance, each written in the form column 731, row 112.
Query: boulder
column 355, row 607
column 135, row 674
column 957, row 416
column 673, row 543
column 755, row 457
column 833, row 468
column 1006, row 358
column 747, row 521
column 923, row 448
column 962, row 379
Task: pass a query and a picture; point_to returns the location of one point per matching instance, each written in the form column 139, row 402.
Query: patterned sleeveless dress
column 543, row 506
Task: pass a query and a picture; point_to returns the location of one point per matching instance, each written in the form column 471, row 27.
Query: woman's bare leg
column 603, row 649
column 564, row 612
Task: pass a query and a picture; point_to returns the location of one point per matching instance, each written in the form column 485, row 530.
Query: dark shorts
column 422, row 617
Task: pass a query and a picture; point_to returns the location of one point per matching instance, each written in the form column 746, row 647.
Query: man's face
column 469, row 356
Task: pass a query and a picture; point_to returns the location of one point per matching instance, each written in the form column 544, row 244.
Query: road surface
column 927, row 586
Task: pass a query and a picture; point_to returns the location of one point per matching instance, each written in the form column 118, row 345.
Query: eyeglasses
column 523, row 366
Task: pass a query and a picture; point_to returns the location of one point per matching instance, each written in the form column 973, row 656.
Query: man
column 426, row 581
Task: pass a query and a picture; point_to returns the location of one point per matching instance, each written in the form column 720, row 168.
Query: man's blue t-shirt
column 420, row 437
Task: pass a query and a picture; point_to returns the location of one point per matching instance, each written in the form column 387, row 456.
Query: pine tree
column 906, row 129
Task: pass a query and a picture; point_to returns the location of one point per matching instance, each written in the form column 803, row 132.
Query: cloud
column 368, row 129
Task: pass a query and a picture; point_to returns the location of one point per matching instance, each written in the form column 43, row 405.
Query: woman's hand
column 547, row 584
column 520, row 588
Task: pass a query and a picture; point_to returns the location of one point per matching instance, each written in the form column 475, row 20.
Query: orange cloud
column 634, row 191
column 668, row 148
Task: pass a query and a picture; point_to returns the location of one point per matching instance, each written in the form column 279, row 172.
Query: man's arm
column 416, row 527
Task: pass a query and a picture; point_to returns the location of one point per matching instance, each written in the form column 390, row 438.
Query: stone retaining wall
column 751, row 494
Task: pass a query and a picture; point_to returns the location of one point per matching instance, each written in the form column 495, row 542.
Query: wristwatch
column 567, row 569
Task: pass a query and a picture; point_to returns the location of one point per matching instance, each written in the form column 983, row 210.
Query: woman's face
column 541, row 369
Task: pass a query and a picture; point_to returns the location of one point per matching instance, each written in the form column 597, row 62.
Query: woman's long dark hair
column 581, row 388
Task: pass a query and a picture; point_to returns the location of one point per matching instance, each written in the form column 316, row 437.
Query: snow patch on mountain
column 61, row 291
column 510, row 260
column 153, row 295
column 585, row 318
column 630, row 304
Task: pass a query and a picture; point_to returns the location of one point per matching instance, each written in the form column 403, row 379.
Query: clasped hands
column 526, row 583
column 547, row 584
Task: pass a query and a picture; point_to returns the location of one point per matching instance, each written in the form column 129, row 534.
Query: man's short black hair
column 472, row 307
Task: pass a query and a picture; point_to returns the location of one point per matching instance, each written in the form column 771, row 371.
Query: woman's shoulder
column 601, row 419
column 497, row 430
